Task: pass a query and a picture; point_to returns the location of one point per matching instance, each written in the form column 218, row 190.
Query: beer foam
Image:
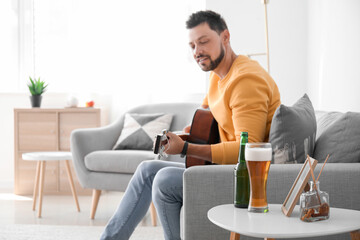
column 258, row 154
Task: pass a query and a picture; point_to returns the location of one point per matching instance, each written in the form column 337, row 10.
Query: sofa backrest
column 183, row 112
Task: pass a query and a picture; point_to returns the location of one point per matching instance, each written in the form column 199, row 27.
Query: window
column 131, row 48
column 9, row 46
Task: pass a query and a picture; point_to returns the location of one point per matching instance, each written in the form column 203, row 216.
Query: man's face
column 207, row 47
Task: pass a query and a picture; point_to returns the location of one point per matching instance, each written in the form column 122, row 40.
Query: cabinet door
column 37, row 131
column 70, row 121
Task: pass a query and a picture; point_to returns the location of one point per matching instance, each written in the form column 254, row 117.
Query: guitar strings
column 162, row 152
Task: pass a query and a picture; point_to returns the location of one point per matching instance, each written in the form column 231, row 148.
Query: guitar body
column 204, row 130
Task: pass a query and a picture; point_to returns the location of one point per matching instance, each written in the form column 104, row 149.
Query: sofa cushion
column 140, row 130
column 293, row 132
column 124, row 161
column 324, row 120
column 339, row 136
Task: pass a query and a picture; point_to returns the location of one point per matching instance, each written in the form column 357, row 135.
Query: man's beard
column 213, row 63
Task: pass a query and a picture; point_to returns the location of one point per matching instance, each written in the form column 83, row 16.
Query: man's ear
column 225, row 36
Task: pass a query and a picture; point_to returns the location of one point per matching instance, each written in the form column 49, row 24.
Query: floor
column 60, row 210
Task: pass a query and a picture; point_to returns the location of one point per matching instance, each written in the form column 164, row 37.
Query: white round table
column 42, row 158
column 275, row 224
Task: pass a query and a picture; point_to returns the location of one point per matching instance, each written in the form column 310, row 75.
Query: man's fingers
column 169, row 135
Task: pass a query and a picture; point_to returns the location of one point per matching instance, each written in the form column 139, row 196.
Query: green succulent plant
column 36, row 87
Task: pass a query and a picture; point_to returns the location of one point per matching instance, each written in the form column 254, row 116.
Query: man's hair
column 213, row 19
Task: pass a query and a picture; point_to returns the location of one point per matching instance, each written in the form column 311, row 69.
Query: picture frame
column 298, row 186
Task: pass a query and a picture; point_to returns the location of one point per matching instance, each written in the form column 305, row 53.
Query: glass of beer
column 258, row 158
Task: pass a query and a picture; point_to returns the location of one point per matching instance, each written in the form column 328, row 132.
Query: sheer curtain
column 132, row 49
column 8, row 46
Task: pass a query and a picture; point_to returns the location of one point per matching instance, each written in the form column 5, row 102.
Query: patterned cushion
column 293, row 132
column 140, row 130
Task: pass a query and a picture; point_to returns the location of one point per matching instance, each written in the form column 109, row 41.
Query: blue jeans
column 156, row 180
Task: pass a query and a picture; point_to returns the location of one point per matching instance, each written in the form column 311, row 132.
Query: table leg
column 234, row 236
column 36, row 184
column 153, row 214
column 41, row 189
column 355, row 235
column 72, row 184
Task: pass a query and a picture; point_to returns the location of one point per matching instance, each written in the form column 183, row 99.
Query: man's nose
column 197, row 51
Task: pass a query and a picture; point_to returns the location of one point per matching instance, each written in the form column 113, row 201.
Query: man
column 241, row 97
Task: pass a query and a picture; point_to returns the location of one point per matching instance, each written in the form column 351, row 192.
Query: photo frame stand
column 298, row 186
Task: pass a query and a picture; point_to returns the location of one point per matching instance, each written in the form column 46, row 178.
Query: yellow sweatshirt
column 243, row 101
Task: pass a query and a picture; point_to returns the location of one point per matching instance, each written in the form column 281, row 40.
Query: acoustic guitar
column 204, row 130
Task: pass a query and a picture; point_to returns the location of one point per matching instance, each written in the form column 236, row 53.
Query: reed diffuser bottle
column 314, row 204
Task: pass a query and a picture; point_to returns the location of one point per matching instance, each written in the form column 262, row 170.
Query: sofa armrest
column 204, row 188
column 86, row 140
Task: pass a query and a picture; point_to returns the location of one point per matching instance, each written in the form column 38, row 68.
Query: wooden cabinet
column 48, row 130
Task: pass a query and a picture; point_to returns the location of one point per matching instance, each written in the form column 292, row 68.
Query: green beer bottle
column 241, row 175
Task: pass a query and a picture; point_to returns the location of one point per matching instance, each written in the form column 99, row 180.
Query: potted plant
column 36, row 88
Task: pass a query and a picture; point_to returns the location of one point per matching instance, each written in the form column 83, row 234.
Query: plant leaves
column 36, row 86
column 31, row 90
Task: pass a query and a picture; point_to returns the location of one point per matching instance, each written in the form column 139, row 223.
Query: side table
column 275, row 224
column 42, row 158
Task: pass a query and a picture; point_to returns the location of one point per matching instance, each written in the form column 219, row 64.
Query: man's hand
column 174, row 145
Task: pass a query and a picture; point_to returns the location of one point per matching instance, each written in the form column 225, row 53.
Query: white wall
column 314, row 46
column 131, row 49
column 334, row 54
column 288, row 38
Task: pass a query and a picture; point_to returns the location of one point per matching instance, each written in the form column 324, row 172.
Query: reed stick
column 322, row 168
column 313, row 177
column 312, row 172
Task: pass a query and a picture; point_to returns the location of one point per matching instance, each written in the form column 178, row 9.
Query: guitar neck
column 184, row 136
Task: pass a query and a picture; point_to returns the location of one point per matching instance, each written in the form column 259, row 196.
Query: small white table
column 42, row 158
column 275, row 224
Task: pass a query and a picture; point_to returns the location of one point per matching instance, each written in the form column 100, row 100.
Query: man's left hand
column 175, row 144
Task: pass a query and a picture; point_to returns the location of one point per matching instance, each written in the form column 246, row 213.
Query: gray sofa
column 208, row 186
column 98, row 167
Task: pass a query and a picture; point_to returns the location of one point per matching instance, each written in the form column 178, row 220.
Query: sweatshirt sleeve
column 248, row 99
